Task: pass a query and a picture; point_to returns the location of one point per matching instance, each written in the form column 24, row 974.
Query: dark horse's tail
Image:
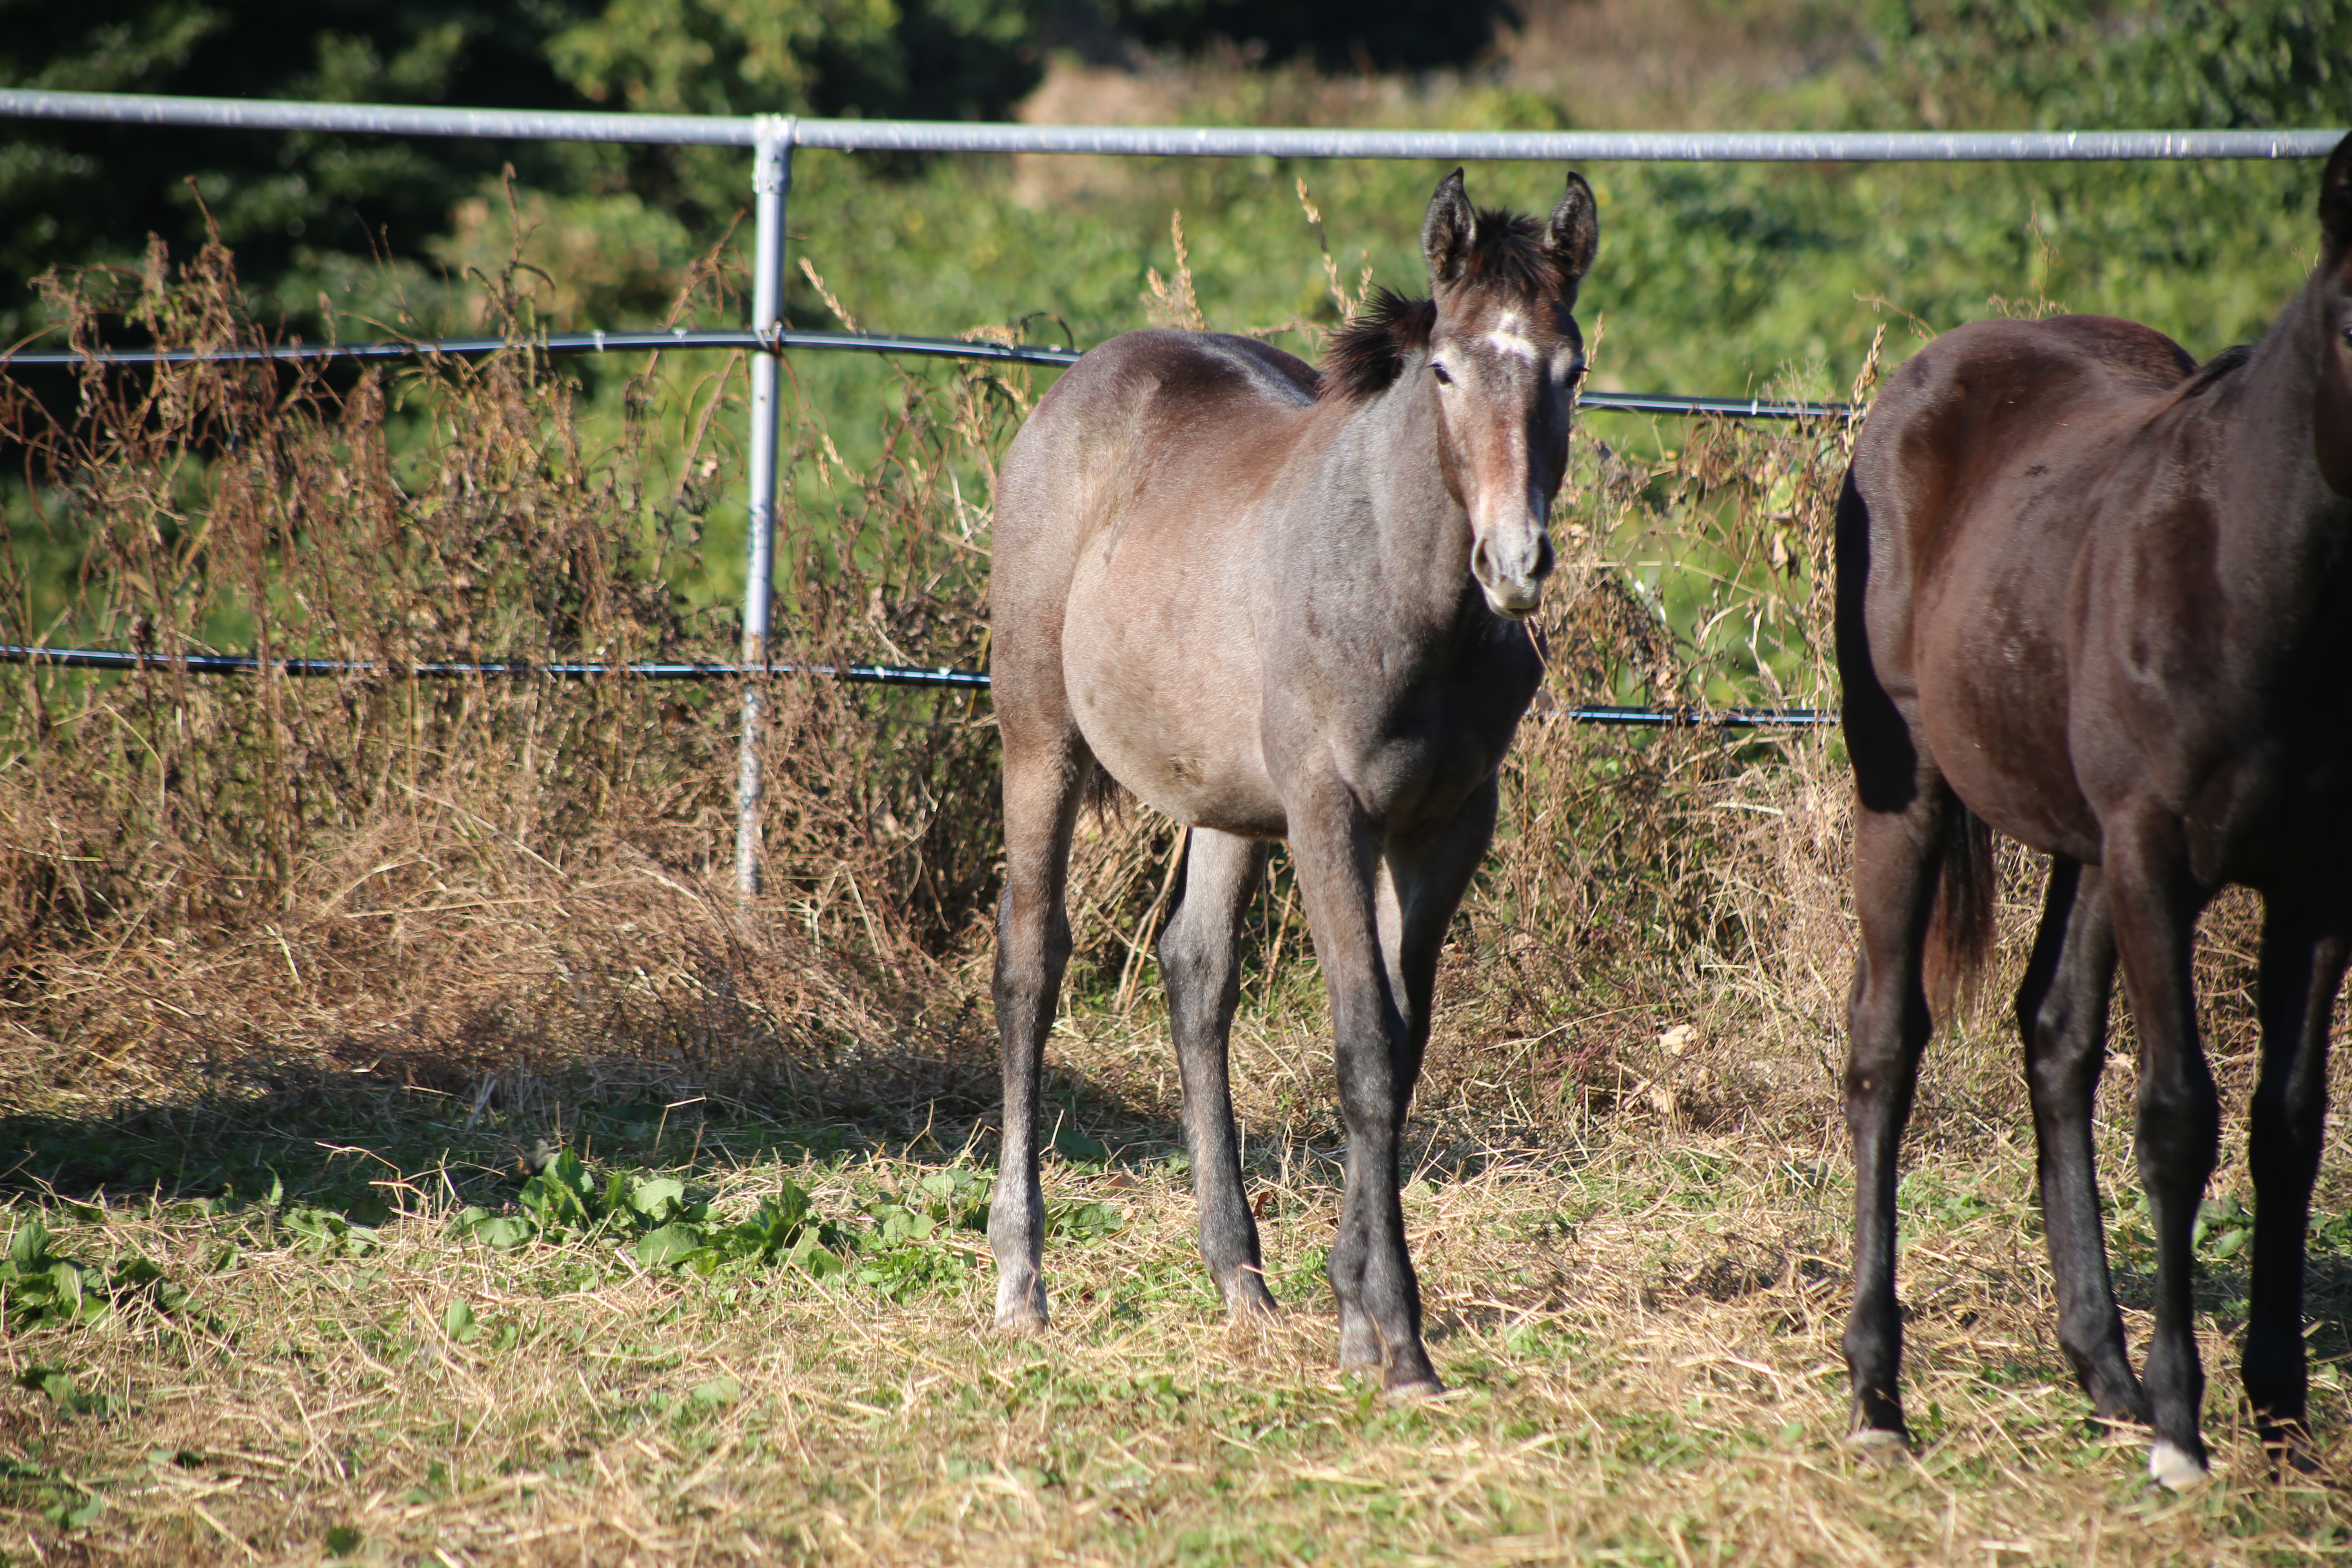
column 1960, row 931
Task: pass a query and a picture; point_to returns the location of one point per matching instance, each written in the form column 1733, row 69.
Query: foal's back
column 1129, row 541
column 1163, row 423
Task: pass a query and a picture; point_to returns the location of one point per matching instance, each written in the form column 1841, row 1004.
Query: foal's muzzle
column 1512, row 575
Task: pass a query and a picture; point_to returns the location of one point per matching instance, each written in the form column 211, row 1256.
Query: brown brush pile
column 239, row 886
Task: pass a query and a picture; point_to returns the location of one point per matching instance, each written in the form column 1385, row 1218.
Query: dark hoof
column 2292, row 1452
column 1021, row 1307
column 1248, row 1302
column 2130, row 1410
column 1878, row 1447
column 1418, row 1387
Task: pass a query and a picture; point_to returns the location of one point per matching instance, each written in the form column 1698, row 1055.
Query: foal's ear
column 2335, row 200
column 1449, row 230
column 1574, row 232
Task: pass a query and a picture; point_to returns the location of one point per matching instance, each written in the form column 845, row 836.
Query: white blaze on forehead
column 1506, row 339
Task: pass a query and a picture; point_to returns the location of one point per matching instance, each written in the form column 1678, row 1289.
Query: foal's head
column 1502, row 356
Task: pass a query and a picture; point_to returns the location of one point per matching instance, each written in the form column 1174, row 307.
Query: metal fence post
column 771, row 177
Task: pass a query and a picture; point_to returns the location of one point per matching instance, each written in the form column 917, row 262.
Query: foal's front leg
column 1200, row 958
column 1337, row 854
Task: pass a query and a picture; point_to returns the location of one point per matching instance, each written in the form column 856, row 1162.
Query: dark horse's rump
column 1279, row 605
column 2100, row 599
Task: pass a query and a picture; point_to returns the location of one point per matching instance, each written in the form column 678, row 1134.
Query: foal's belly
column 1165, row 682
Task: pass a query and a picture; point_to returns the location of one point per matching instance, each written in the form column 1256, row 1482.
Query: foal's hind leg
column 1200, row 957
column 2061, row 1012
column 2302, row 964
column 1894, row 862
column 1045, row 769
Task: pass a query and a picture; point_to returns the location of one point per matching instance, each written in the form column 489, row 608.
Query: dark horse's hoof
column 1878, row 1447
column 2292, row 1454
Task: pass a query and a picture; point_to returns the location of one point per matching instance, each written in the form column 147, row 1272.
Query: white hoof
column 2171, row 1467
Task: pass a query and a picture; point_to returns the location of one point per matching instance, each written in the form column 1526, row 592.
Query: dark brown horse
column 2099, row 599
column 1279, row 605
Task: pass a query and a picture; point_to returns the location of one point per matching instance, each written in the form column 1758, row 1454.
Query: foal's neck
column 1421, row 528
column 2284, row 534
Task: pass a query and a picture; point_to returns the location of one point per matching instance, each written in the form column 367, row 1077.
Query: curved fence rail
column 854, row 674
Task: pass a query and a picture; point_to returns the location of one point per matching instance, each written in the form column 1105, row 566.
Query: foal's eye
column 1440, row 372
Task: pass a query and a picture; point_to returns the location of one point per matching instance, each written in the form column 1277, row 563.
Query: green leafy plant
column 38, row 1287
column 65, row 1393
column 2224, row 1227
column 564, row 1203
column 325, row 1233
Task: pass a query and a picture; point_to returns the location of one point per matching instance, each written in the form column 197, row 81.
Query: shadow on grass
column 359, row 1136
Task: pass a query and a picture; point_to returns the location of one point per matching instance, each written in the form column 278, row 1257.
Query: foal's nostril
column 1543, row 556
column 1482, row 565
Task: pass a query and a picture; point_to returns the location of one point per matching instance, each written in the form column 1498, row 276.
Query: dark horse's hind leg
column 1047, row 766
column 2061, row 1012
column 1896, row 858
column 2302, row 964
column 1200, row 957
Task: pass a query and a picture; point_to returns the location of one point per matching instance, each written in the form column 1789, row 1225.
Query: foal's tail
column 1960, row 931
column 1106, row 797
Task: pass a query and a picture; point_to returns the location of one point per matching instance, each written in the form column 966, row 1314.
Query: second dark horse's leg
column 2154, row 902
column 2302, row 964
column 1200, row 957
column 1895, row 859
column 2061, row 1012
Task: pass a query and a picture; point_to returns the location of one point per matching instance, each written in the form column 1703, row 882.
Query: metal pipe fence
column 772, row 138
column 1180, row 141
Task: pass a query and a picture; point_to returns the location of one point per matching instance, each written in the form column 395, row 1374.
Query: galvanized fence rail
column 773, row 138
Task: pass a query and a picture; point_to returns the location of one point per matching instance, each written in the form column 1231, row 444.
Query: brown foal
column 2100, row 599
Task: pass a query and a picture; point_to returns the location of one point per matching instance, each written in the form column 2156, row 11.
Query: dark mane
column 2214, row 369
column 1509, row 251
column 1366, row 355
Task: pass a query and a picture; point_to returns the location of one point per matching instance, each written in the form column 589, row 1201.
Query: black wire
column 854, row 674
column 865, row 342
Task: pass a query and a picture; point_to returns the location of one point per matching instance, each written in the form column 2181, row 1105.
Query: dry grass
column 1642, row 1345
column 280, row 960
